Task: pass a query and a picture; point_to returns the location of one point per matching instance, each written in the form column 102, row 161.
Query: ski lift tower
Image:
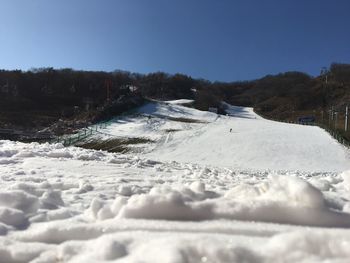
column 346, row 117
column 324, row 72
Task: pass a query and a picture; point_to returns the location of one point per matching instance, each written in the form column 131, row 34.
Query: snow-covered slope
column 183, row 199
column 242, row 140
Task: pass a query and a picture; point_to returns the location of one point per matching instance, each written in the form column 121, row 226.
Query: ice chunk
column 51, row 199
column 19, row 200
column 198, row 186
column 60, row 154
column 124, row 190
column 84, row 186
column 95, row 206
column 12, row 217
column 118, row 203
column 170, row 206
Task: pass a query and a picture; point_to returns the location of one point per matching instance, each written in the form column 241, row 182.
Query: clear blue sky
column 214, row 39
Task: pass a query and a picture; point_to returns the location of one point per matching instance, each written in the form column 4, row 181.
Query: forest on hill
column 39, row 97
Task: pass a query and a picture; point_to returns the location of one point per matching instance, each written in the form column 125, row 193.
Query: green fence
column 340, row 138
column 68, row 140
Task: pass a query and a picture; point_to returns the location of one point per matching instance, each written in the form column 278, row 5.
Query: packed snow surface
column 180, row 101
column 262, row 192
column 242, row 140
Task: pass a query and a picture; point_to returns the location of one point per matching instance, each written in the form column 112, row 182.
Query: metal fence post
column 346, row 117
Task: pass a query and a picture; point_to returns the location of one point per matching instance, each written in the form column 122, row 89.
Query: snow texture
column 264, row 192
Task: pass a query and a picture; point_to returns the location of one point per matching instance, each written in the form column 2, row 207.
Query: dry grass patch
column 120, row 145
column 186, row 120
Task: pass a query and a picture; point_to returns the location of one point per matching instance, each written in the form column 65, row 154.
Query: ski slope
column 253, row 143
column 264, row 192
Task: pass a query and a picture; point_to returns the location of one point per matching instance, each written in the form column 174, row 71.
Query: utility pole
column 336, row 120
column 346, row 117
column 324, row 72
column 108, row 85
column 329, row 117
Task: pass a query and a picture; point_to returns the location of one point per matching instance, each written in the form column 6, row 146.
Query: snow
column 180, row 101
column 253, row 143
column 265, row 192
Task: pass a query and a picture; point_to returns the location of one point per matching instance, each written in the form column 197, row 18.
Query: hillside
column 39, row 98
column 242, row 140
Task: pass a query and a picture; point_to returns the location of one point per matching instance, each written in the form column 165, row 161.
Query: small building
column 133, row 88
column 306, row 119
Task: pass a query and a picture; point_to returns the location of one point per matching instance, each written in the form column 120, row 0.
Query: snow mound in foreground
column 141, row 246
column 72, row 205
column 280, row 199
